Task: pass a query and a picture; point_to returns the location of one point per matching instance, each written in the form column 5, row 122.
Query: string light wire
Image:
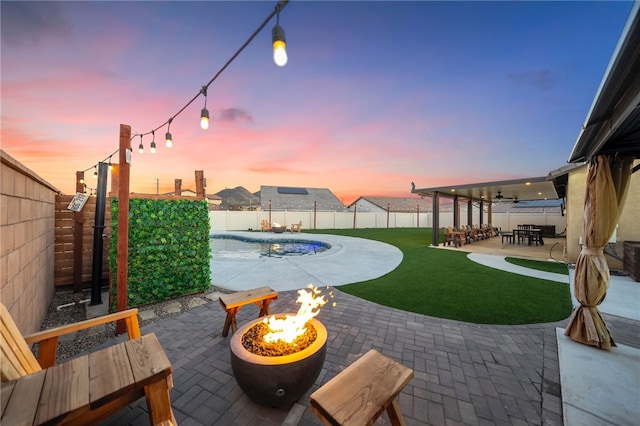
column 281, row 4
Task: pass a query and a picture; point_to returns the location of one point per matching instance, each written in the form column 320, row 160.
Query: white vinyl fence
column 245, row 220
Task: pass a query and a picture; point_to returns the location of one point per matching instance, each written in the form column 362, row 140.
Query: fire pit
column 273, row 379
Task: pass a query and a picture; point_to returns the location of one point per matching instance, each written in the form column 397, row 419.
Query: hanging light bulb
column 153, row 142
column 279, row 45
column 141, row 147
column 95, row 172
column 204, row 119
column 204, row 114
column 167, row 137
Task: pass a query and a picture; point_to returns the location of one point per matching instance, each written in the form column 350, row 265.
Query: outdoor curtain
column 607, row 183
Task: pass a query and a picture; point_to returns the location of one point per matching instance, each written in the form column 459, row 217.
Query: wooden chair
column 362, row 392
column 296, row 227
column 86, row 389
column 265, row 226
column 452, row 237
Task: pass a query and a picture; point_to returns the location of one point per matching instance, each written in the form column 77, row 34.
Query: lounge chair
column 86, row 389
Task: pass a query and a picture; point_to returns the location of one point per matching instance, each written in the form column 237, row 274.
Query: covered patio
column 484, row 194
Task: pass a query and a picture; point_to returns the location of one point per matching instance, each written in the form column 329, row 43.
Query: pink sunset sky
column 375, row 95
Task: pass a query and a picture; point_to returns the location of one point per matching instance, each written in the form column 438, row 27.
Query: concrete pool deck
column 349, row 260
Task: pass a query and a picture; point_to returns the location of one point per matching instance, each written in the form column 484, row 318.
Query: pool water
column 230, row 246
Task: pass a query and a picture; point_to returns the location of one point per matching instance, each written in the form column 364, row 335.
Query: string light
column 277, row 34
column 95, row 172
column 167, row 137
column 279, row 42
column 204, row 114
column 153, row 143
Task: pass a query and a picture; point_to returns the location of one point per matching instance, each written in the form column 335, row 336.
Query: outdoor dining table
column 533, row 235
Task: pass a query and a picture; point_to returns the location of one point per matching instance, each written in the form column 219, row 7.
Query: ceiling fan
column 501, row 197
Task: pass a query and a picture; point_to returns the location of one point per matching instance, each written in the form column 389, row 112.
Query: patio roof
column 613, row 122
column 527, row 189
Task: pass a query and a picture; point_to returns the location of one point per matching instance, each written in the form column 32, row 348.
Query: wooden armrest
column 131, row 314
column 48, row 339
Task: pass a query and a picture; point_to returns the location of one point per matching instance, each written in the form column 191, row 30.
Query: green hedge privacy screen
column 169, row 252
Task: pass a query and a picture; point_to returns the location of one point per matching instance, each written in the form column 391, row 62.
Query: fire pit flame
column 289, row 328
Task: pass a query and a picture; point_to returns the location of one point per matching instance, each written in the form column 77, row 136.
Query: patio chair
column 265, row 226
column 86, row 389
column 451, row 237
column 296, row 227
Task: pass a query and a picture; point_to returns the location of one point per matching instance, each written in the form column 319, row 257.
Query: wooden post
column 355, row 207
column 199, row 183
column 177, row 188
column 124, row 156
column 115, row 183
column 78, row 234
column 388, row 211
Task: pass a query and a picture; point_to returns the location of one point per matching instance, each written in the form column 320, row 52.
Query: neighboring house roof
column 394, row 204
column 299, row 198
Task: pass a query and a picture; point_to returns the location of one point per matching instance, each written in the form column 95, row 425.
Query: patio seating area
column 463, row 373
column 469, row 233
column 506, row 245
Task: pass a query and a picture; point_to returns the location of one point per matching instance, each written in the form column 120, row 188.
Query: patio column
column 469, row 213
column 481, row 213
column 435, row 226
column 456, row 213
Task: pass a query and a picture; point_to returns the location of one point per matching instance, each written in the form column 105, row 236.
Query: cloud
column 542, row 79
column 26, row 22
column 235, row 115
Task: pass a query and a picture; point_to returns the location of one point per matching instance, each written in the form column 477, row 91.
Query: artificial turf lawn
column 556, row 268
column 445, row 284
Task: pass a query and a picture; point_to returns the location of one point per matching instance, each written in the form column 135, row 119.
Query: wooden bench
column 232, row 303
column 88, row 388
column 359, row 394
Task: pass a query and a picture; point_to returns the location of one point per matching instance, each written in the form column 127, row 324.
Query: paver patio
column 464, row 373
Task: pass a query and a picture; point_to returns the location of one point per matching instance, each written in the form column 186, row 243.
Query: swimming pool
column 232, row 246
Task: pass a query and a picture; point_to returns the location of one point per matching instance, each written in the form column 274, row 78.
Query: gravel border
column 76, row 310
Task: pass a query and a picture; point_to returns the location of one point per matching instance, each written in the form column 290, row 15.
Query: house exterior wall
column 628, row 228
column 27, row 218
column 366, row 206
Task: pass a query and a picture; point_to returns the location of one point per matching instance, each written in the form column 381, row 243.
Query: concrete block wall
column 27, row 219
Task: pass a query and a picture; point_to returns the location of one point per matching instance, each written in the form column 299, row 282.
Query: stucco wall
column 27, row 205
column 628, row 228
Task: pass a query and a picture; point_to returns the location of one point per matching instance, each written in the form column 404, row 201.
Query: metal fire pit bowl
column 277, row 381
